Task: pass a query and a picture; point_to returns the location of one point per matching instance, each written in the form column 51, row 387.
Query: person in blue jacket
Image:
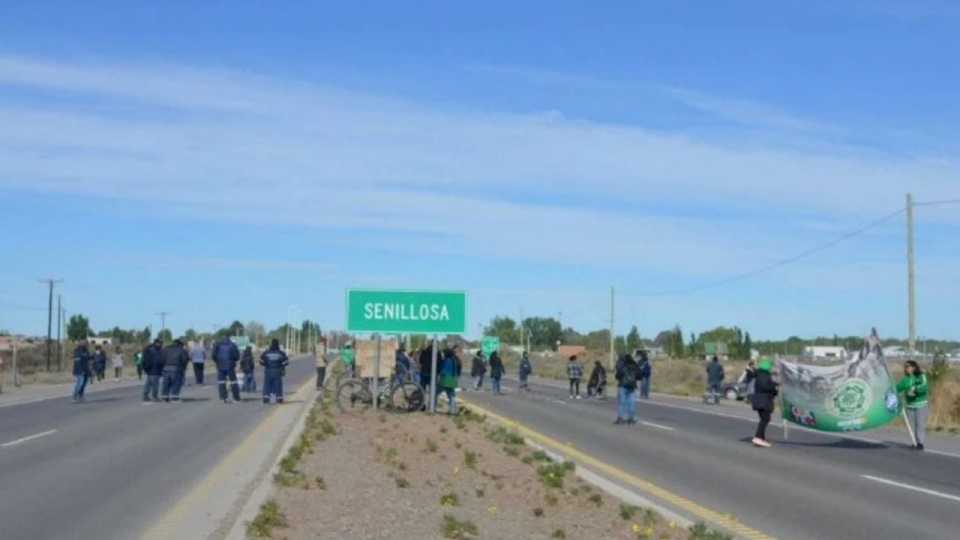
column 153, row 367
column 274, row 362
column 646, row 372
column 226, row 355
column 81, row 370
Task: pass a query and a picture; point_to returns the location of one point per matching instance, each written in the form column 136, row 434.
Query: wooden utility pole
column 613, row 353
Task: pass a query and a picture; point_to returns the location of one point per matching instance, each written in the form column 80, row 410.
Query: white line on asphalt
column 911, row 488
column 658, row 426
column 28, row 438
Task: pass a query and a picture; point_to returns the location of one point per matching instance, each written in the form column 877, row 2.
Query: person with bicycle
column 402, row 365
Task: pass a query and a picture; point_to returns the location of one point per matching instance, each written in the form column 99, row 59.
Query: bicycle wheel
column 353, row 397
column 407, row 397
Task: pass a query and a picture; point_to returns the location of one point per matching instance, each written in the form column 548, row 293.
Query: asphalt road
column 812, row 486
column 109, row 467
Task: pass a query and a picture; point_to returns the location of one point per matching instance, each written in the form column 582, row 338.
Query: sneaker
column 632, row 421
column 920, row 447
column 618, row 421
column 757, row 441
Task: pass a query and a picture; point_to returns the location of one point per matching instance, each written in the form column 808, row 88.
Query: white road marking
column 658, row 426
column 28, row 438
column 911, row 488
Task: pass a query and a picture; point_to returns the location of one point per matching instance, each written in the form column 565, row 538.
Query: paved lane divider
column 917, row 489
column 27, row 438
column 658, row 426
column 648, row 488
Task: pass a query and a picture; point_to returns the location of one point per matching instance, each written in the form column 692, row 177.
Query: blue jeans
column 451, row 398
column 645, row 388
column 80, row 386
column 272, row 386
column 478, row 382
column 495, row 383
column 151, row 389
column 249, row 382
column 626, row 403
column 171, row 385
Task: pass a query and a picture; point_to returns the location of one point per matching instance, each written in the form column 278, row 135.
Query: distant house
column 825, row 352
column 716, row 348
column 101, row 341
column 566, row 351
column 895, row 352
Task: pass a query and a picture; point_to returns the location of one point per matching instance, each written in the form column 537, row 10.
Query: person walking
column 175, row 360
column 597, row 383
column 525, row 369
column 627, row 375
column 247, row 366
column 198, row 357
column 574, row 373
column 274, row 362
column 99, row 363
column 153, row 367
column 138, row 362
column 715, row 378
column 478, row 370
column 496, row 372
column 764, row 401
column 915, row 388
column 225, row 356
column 81, row 371
column 117, row 362
column 448, row 375
column 645, row 374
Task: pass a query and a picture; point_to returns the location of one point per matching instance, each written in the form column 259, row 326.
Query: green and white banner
column 855, row 396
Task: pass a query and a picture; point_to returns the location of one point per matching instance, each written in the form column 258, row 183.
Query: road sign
column 407, row 312
column 490, row 345
column 242, row 342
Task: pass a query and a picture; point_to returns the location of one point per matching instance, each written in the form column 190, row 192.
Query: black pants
column 574, row 387
column 140, row 372
column 198, row 372
column 321, row 374
column 762, row 426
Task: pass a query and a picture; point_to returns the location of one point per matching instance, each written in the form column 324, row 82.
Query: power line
column 937, row 203
column 782, row 262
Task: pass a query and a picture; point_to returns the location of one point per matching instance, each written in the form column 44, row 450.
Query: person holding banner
column 764, row 401
column 914, row 386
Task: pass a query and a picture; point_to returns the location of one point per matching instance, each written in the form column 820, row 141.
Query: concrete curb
column 264, row 486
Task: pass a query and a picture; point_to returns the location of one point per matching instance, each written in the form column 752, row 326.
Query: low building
column 716, row 348
column 101, row 341
column 566, row 351
column 822, row 352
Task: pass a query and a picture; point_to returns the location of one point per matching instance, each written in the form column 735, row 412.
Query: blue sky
column 227, row 162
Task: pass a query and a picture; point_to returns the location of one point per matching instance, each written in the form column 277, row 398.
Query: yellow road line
column 711, row 516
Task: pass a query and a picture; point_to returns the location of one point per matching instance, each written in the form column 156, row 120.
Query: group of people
column 165, row 368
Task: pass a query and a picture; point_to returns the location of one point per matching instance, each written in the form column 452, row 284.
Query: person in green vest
column 915, row 389
column 138, row 361
column 348, row 357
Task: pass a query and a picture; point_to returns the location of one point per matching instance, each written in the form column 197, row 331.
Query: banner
column 855, row 396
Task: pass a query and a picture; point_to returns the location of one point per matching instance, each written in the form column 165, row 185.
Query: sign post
column 407, row 312
column 490, row 345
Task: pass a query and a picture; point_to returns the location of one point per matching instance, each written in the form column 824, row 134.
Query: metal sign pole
column 433, row 377
column 376, row 376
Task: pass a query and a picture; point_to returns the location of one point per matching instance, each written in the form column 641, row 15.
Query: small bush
column 559, row 533
column 540, row 455
column 596, row 499
column 456, row 529
column 402, row 483
column 502, row 435
column 321, row 483
column 511, row 451
column 449, row 499
column 431, row 446
column 538, row 512
column 470, row 459
column 552, row 474
column 700, row 531
column 270, row 517
column 627, row 511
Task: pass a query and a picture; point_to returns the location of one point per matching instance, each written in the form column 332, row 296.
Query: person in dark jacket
column 274, row 362
column 226, row 355
column 645, row 374
column 764, row 401
column 597, row 383
column 402, row 365
column 478, row 370
column 175, row 360
column 426, row 362
column 99, row 363
column 715, row 378
column 81, row 370
column 448, row 375
column 524, row 371
column 496, row 372
column 748, row 380
column 247, row 366
column 153, row 367
column 627, row 375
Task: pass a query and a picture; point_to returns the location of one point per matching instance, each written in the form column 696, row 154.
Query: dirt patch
column 417, row 476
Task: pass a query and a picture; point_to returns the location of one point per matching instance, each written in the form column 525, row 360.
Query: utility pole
column 163, row 319
column 59, row 332
column 911, row 295
column 50, row 282
column 612, row 337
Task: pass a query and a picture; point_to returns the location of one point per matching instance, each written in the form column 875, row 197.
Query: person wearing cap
column 764, row 400
column 274, row 362
column 153, row 367
column 175, row 360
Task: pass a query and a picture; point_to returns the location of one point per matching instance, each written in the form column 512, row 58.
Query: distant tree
column 145, row 335
column 747, row 346
column 236, row 329
column 165, row 335
column 544, row 332
column 598, row 340
column 190, row 335
column 256, row 330
column 78, row 328
column 620, row 346
column 504, row 328
column 633, row 339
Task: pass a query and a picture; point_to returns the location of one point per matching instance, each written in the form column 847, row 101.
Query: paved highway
column 813, row 486
column 109, row 467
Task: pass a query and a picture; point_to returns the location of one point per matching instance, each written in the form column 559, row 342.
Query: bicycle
column 403, row 396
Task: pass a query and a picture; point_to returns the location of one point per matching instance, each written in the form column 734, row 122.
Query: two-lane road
column 108, row 467
column 813, row 486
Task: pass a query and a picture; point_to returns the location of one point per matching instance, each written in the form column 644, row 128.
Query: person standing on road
column 153, row 367
column 198, row 357
column 597, row 383
column 99, row 363
column 915, row 387
column 715, row 378
column 478, row 370
column 526, row 368
column 627, row 375
column 748, row 381
column 175, row 360
column 646, row 374
column 764, row 401
column 81, row 370
column 138, row 362
column 226, row 355
column 274, row 362
column 247, row 366
column 117, row 362
column 496, row 372
column 574, row 373
column 448, row 373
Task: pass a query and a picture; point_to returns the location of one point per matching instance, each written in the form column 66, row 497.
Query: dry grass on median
column 416, row 476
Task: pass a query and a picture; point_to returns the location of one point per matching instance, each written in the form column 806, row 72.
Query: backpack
column 629, row 377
